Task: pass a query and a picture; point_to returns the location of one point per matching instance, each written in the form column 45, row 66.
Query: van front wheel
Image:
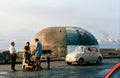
column 69, row 63
column 80, row 62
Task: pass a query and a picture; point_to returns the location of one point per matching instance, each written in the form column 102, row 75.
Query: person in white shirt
column 13, row 56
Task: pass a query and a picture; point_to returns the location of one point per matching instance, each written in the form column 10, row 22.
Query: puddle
column 102, row 73
column 2, row 77
column 3, row 73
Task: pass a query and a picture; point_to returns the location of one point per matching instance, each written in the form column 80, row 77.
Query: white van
column 84, row 54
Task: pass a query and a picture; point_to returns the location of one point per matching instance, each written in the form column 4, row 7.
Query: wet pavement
column 59, row 69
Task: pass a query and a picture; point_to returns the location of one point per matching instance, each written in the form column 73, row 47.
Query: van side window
column 92, row 49
column 89, row 49
column 95, row 49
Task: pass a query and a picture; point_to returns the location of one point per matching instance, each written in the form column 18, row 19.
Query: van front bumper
column 70, row 59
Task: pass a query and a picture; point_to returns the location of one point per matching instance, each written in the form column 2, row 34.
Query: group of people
column 38, row 53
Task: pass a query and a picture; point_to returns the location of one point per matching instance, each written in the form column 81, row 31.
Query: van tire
column 69, row 63
column 6, row 61
column 99, row 60
column 80, row 61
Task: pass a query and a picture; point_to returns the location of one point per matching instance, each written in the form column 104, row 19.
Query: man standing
column 38, row 53
column 13, row 56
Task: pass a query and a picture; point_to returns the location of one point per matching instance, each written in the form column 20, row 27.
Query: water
column 109, row 44
column 19, row 45
column 4, row 45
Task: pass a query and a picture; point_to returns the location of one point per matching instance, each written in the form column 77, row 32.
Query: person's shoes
column 36, row 69
column 48, row 68
column 41, row 68
column 12, row 70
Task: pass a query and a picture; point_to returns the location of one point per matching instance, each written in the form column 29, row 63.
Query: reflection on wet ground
column 59, row 69
column 58, row 73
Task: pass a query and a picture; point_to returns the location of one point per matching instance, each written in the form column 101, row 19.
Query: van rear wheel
column 80, row 62
column 6, row 61
column 99, row 60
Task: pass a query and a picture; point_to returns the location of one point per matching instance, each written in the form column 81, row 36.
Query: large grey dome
column 58, row 38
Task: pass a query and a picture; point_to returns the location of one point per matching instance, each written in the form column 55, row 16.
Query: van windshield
column 79, row 49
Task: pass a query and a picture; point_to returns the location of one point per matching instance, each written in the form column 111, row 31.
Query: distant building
column 61, row 40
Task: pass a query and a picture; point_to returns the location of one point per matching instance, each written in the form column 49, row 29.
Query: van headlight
column 72, row 58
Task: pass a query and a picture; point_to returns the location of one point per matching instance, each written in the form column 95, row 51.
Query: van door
column 91, row 54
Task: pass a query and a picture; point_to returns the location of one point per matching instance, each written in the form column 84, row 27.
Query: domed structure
column 58, row 39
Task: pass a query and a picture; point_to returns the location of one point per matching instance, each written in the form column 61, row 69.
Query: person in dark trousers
column 48, row 60
column 27, row 52
column 13, row 56
column 38, row 53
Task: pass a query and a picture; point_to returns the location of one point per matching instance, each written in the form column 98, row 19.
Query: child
column 48, row 60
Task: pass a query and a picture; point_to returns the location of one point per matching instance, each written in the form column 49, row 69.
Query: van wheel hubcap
column 99, row 60
column 80, row 62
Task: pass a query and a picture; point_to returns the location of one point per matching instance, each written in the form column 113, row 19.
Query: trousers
column 13, row 60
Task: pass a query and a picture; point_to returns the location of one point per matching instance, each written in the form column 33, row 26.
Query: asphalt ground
column 59, row 69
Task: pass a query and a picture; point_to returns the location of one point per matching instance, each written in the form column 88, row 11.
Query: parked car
column 114, row 72
column 4, row 57
column 84, row 54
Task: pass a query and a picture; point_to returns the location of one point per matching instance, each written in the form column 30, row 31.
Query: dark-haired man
column 38, row 53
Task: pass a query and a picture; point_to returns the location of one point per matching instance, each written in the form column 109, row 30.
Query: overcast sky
column 24, row 18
